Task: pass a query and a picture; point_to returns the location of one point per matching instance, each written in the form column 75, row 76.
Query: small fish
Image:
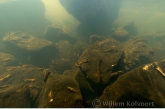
column 116, row 73
column 50, row 97
column 70, row 89
column 1, row 79
column 111, row 50
column 31, row 79
column 4, row 86
column 81, row 62
column 46, row 77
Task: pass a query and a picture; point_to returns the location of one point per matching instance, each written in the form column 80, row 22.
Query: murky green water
column 82, row 53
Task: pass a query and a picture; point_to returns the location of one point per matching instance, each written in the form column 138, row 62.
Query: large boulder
column 95, row 68
column 95, row 15
column 87, row 91
column 68, row 54
column 6, row 59
column 60, row 91
column 99, row 61
column 29, row 49
column 20, row 81
column 15, row 96
column 141, row 87
column 103, row 62
column 120, row 34
column 56, row 33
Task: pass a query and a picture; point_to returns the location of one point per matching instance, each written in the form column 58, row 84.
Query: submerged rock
column 29, row 49
column 144, row 84
column 27, row 76
column 6, row 59
column 104, row 61
column 15, row 96
column 67, row 55
column 136, row 52
column 56, row 33
column 60, row 91
column 120, row 34
column 95, row 67
column 96, row 38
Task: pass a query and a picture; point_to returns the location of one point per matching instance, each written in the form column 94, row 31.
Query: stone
column 56, row 33
column 29, row 49
column 136, row 52
column 27, row 76
column 95, row 38
column 67, row 55
column 15, row 96
column 98, row 62
column 144, row 84
column 87, row 91
column 6, row 59
column 60, row 91
column 120, row 34
column 131, row 29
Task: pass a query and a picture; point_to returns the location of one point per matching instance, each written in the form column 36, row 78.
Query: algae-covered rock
column 136, row 52
column 28, row 76
column 67, row 55
column 60, row 65
column 120, row 34
column 144, row 84
column 86, row 90
column 29, row 49
column 131, row 29
column 25, row 74
column 55, row 33
column 6, row 59
column 60, row 91
column 95, row 38
column 98, row 62
column 15, row 96
column 66, row 50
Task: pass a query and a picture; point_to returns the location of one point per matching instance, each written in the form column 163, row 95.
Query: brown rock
column 55, row 33
column 29, row 49
column 120, row 34
column 144, row 84
column 60, row 91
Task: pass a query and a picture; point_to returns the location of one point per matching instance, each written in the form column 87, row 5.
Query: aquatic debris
column 111, row 50
column 146, row 67
column 7, row 59
column 9, row 69
column 31, row 79
column 70, row 89
column 34, row 86
column 46, row 76
column 51, row 100
column 1, row 79
column 4, row 86
column 113, row 65
column 116, row 73
column 50, row 97
column 81, row 62
column 141, row 40
column 159, row 69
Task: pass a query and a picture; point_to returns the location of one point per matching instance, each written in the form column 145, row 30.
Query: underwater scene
column 82, row 54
